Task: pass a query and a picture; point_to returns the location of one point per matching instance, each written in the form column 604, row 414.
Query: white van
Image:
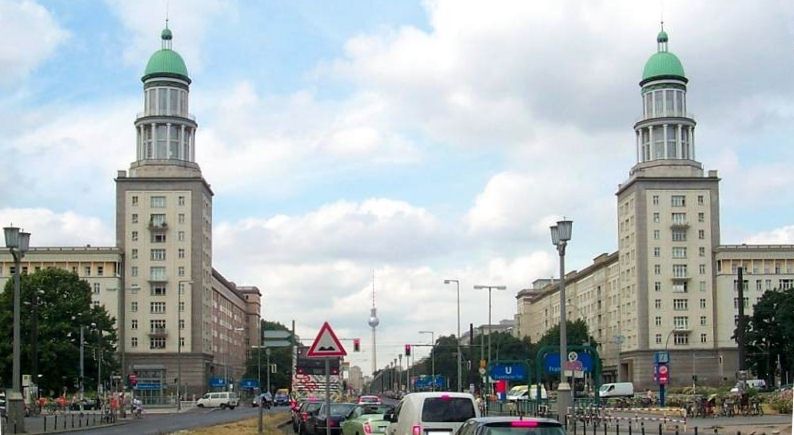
column 526, row 392
column 222, row 399
column 617, row 389
column 436, row 413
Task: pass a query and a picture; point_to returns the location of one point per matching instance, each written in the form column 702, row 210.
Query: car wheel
column 200, row 405
column 223, row 406
column 231, row 407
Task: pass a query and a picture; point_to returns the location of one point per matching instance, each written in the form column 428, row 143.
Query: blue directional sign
column 508, row 371
column 216, row 382
column 249, row 384
column 551, row 361
column 147, row 386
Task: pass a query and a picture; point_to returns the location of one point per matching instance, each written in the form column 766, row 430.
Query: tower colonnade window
column 165, row 141
column 664, row 102
column 665, row 141
column 165, row 101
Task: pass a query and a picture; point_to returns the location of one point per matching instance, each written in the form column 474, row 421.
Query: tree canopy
column 770, row 334
column 55, row 304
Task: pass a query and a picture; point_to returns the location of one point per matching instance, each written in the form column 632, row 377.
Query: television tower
column 373, row 323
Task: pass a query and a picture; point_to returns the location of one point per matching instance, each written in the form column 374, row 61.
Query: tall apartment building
column 171, row 306
column 670, row 285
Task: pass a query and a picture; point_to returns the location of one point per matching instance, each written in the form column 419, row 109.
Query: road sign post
column 326, row 345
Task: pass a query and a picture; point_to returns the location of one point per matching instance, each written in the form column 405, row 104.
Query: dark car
column 281, row 399
column 88, row 405
column 511, row 426
column 301, row 417
column 317, row 423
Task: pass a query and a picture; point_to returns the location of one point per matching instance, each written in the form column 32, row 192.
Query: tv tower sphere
column 373, row 318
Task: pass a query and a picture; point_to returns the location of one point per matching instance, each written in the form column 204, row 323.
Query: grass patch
column 242, row 427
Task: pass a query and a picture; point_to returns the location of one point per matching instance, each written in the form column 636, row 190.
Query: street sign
column 276, row 343
column 277, row 333
column 663, row 373
column 510, row 371
column 551, row 362
column 326, row 344
column 249, row 384
column 217, row 382
column 661, row 357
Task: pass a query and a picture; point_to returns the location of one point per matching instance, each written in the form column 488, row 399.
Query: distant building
column 670, row 285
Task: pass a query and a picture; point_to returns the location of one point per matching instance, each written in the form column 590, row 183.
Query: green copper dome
column 166, row 62
column 662, row 64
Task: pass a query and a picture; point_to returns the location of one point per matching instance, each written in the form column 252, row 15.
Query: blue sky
column 422, row 140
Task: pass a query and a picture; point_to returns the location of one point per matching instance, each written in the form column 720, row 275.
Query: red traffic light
column 407, row 350
column 356, row 345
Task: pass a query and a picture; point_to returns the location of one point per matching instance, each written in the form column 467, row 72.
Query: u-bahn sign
column 508, row 371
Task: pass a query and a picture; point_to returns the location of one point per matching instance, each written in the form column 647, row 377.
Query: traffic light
column 407, row 350
column 356, row 345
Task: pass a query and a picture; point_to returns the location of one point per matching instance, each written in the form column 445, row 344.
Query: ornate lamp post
column 560, row 235
column 17, row 243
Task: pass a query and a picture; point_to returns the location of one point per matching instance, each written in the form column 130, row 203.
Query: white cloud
column 783, row 235
column 30, row 36
column 49, row 228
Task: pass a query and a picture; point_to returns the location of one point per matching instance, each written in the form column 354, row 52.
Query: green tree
column 770, row 334
column 55, row 303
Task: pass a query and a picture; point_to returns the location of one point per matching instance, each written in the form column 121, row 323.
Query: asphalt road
column 168, row 423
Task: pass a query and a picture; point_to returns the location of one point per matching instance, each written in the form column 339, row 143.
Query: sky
column 410, row 141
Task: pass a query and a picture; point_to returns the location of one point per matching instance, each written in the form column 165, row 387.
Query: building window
column 679, row 252
column 657, row 286
column 157, row 290
column 679, row 218
column 680, row 304
column 679, row 271
column 657, row 304
column 658, row 320
column 657, row 252
column 157, row 325
column 700, row 200
column 181, row 323
column 736, row 303
column 157, row 273
column 655, row 234
column 181, row 253
column 134, row 236
column 657, row 269
column 701, row 251
column 134, row 324
column 181, row 236
column 134, row 307
column 156, row 342
column 681, row 322
column 134, row 253
column 158, row 202
column 158, row 254
column 134, row 200
column 158, row 237
column 182, row 341
column 135, row 218
column 702, row 269
column 182, row 307
column 134, row 271
column 87, row 270
column 680, row 338
column 134, row 342
column 758, row 285
column 785, row 284
column 157, row 307
column 181, row 218
column 702, row 320
column 702, row 286
column 768, row 283
column 680, row 287
column 703, row 338
column 702, row 303
column 181, row 270
column 701, row 234
column 656, row 218
column 658, row 338
column 678, row 201
column 96, row 288
column 679, row 235
column 181, row 200
column 701, row 217
column 655, row 199
column 157, row 219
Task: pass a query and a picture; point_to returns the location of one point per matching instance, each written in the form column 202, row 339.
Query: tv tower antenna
column 373, row 323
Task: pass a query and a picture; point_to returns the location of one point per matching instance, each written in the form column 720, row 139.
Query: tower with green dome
column 665, row 134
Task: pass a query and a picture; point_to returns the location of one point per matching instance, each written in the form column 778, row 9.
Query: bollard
column 55, row 425
column 676, row 429
column 80, row 420
column 72, row 421
column 605, row 428
column 45, row 423
column 631, row 424
column 617, row 428
column 595, row 426
column 660, row 429
column 642, row 427
column 696, row 430
column 574, row 425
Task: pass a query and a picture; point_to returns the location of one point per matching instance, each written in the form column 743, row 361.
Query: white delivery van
column 617, row 389
column 526, row 392
column 222, row 399
column 431, row 413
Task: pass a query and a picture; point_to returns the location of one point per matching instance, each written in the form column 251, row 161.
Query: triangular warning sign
column 326, row 344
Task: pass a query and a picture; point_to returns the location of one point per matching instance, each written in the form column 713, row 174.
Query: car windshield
column 447, row 409
column 524, row 431
column 341, row 409
column 376, row 409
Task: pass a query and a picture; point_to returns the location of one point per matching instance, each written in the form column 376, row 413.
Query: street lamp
column 180, row 290
column 432, row 359
column 17, row 243
column 489, row 288
column 560, row 235
column 457, row 285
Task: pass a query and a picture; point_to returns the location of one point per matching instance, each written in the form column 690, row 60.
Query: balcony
column 679, row 224
column 158, row 278
column 158, row 332
column 158, row 226
column 666, row 114
column 169, row 113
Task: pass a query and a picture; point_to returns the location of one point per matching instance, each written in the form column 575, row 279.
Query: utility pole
column 741, row 327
